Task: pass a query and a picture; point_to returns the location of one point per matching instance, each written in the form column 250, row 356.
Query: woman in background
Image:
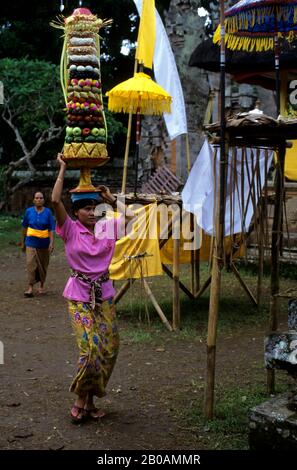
column 38, row 242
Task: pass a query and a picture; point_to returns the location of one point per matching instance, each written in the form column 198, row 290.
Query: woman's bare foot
column 95, row 413
column 78, row 412
column 41, row 291
column 28, row 292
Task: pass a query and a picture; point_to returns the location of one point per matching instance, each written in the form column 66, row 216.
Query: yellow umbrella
column 139, row 94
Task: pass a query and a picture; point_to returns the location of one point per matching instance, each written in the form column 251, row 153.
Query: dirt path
column 146, row 394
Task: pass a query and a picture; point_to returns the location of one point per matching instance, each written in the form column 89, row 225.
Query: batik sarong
column 98, row 342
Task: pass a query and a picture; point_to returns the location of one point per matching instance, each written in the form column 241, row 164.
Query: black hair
column 80, row 203
column 38, row 191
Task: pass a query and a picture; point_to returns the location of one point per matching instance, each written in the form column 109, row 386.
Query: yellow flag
column 146, row 34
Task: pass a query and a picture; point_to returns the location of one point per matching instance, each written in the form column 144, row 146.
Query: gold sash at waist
column 33, row 232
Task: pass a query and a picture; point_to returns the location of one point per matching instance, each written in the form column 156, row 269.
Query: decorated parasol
column 141, row 94
column 257, row 26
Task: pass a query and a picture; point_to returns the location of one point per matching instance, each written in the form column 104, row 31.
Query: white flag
column 167, row 77
column 199, row 193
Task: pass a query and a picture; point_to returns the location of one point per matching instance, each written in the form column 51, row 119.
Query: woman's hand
column 61, row 161
column 106, row 194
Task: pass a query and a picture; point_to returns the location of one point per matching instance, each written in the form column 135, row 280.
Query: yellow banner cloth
column 138, row 253
column 291, row 162
column 146, row 34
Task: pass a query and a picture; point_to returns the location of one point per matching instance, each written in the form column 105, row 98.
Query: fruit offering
column 86, row 132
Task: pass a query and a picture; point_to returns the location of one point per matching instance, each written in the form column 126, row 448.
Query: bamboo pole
column 188, row 153
column 181, row 285
column 219, row 241
column 122, row 291
column 128, row 140
column 275, row 249
column 203, row 288
column 260, row 272
column 127, row 148
column 261, row 254
column 197, row 269
column 211, row 336
column 176, row 300
column 156, row 305
column 192, row 256
column 243, row 284
column 173, row 156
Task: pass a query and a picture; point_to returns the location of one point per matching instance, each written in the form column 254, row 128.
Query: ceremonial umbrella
column 257, row 25
column 140, row 94
column 246, row 67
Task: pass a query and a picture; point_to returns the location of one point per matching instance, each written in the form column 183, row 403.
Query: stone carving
column 280, row 349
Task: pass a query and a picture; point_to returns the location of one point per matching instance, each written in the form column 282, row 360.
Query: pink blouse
column 89, row 254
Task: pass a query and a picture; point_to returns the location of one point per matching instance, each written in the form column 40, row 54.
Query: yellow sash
column 32, row 232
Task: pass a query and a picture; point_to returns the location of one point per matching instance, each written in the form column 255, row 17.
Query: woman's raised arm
column 58, row 206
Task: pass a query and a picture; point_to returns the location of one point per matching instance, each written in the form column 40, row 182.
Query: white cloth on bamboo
column 199, row 192
column 167, row 76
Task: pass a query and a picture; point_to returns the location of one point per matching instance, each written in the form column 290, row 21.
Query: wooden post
column 243, row 284
column 181, row 285
column 203, row 288
column 127, row 148
column 260, row 258
column 122, row 291
column 188, row 153
column 197, row 269
column 192, row 222
column 275, row 249
column 212, row 335
column 156, row 305
column 219, row 240
column 176, row 301
column 173, row 156
column 125, row 169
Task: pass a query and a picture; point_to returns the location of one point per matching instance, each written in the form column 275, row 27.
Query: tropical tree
column 32, row 110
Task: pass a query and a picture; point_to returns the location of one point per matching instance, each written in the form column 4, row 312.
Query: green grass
column 235, row 311
column 230, row 427
column 137, row 336
column 10, row 231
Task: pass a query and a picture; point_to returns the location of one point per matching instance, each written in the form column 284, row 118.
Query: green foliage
column 230, row 427
column 2, row 168
column 25, row 31
column 10, row 231
column 115, row 128
column 33, row 93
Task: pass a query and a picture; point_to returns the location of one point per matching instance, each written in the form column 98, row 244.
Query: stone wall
column 184, row 27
